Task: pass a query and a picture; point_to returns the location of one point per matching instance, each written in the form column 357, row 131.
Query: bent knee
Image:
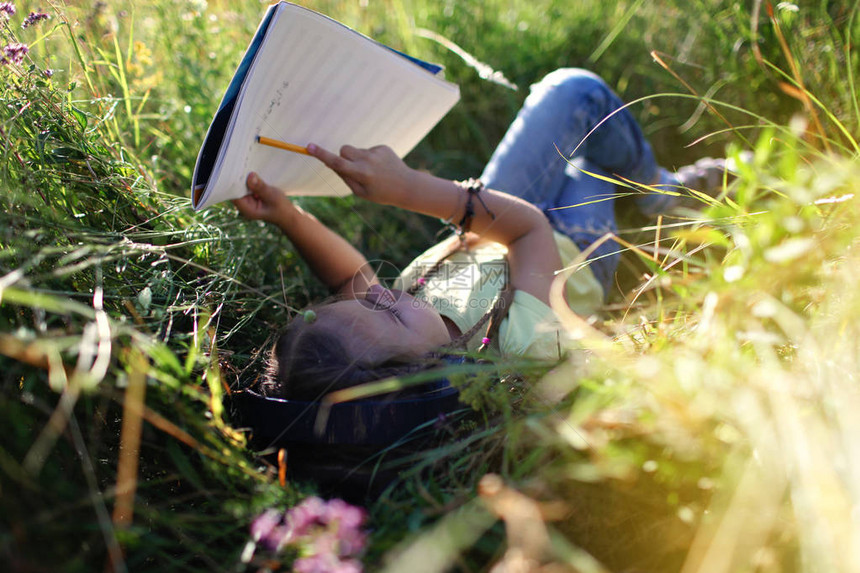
column 568, row 88
column 577, row 79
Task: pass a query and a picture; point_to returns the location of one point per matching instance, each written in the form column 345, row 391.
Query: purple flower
column 49, row 73
column 350, row 541
column 314, row 564
column 326, row 564
column 345, row 514
column 15, row 52
column 33, row 18
column 327, row 533
column 7, row 9
column 350, row 566
column 341, row 543
column 304, row 516
column 269, row 531
column 278, row 537
column 265, row 523
column 341, row 519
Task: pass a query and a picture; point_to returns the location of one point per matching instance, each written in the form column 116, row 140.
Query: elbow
column 535, row 223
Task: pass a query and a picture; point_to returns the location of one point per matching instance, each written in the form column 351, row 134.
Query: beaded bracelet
column 473, row 187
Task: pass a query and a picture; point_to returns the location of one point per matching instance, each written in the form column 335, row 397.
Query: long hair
column 309, row 361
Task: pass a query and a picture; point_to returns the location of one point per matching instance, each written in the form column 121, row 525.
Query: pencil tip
column 257, row 138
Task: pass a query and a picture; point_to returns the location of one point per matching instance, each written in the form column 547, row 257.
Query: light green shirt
column 468, row 283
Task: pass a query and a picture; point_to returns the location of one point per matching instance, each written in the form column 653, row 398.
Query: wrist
column 285, row 215
column 400, row 189
column 427, row 194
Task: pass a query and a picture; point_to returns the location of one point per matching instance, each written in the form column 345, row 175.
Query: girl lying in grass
column 491, row 291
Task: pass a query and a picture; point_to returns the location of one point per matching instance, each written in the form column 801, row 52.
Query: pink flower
column 307, row 514
column 350, row 566
column 327, row 533
column 326, row 564
column 269, row 531
column 314, row 564
column 15, row 52
column 34, row 18
column 7, row 9
column 345, row 514
column 350, row 541
column 265, row 523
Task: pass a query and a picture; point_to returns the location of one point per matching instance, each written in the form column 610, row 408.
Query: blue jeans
column 545, row 154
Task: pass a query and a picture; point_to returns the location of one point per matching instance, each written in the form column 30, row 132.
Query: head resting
column 332, row 351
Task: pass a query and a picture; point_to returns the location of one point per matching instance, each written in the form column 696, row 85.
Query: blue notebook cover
column 215, row 135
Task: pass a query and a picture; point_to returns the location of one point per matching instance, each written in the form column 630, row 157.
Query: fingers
column 382, row 150
column 323, row 155
column 263, row 201
column 248, row 206
column 332, row 161
column 257, row 186
column 344, row 164
column 351, row 153
column 356, row 187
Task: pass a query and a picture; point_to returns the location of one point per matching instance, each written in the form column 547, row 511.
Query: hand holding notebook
column 308, row 78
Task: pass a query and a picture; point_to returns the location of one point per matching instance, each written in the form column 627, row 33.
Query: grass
column 710, row 428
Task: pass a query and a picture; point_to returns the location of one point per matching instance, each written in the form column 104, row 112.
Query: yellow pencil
column 282, row 145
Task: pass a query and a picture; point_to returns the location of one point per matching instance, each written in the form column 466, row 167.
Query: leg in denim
column 585, row 211
column 571, row 116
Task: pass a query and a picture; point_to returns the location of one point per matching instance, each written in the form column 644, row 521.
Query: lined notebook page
column 314, row 80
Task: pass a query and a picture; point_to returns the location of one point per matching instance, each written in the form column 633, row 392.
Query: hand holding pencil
column 376, row 174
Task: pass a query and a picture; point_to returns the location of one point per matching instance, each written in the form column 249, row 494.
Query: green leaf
column 80, row 116
column 64, row 155
column 184, row 465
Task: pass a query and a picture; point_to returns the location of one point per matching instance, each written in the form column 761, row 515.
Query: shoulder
column 530, row 329
column 585, row 295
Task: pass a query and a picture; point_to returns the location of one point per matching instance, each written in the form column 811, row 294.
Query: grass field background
column 711, row 428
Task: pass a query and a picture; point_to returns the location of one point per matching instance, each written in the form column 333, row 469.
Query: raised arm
column 378, row 175
column 339, row 265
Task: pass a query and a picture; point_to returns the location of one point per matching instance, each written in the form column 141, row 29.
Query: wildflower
column 268, row 530
column 265, row 524
column 326, row 564
column 33, row 18
column 351, row 541
column 305, row 515
column 347, row 515
column 49, row 73
column 15, row 52
column 343, row 520
column 327, row 533
column 7, row 10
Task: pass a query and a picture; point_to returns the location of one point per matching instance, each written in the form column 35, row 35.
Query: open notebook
column 307, row 78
